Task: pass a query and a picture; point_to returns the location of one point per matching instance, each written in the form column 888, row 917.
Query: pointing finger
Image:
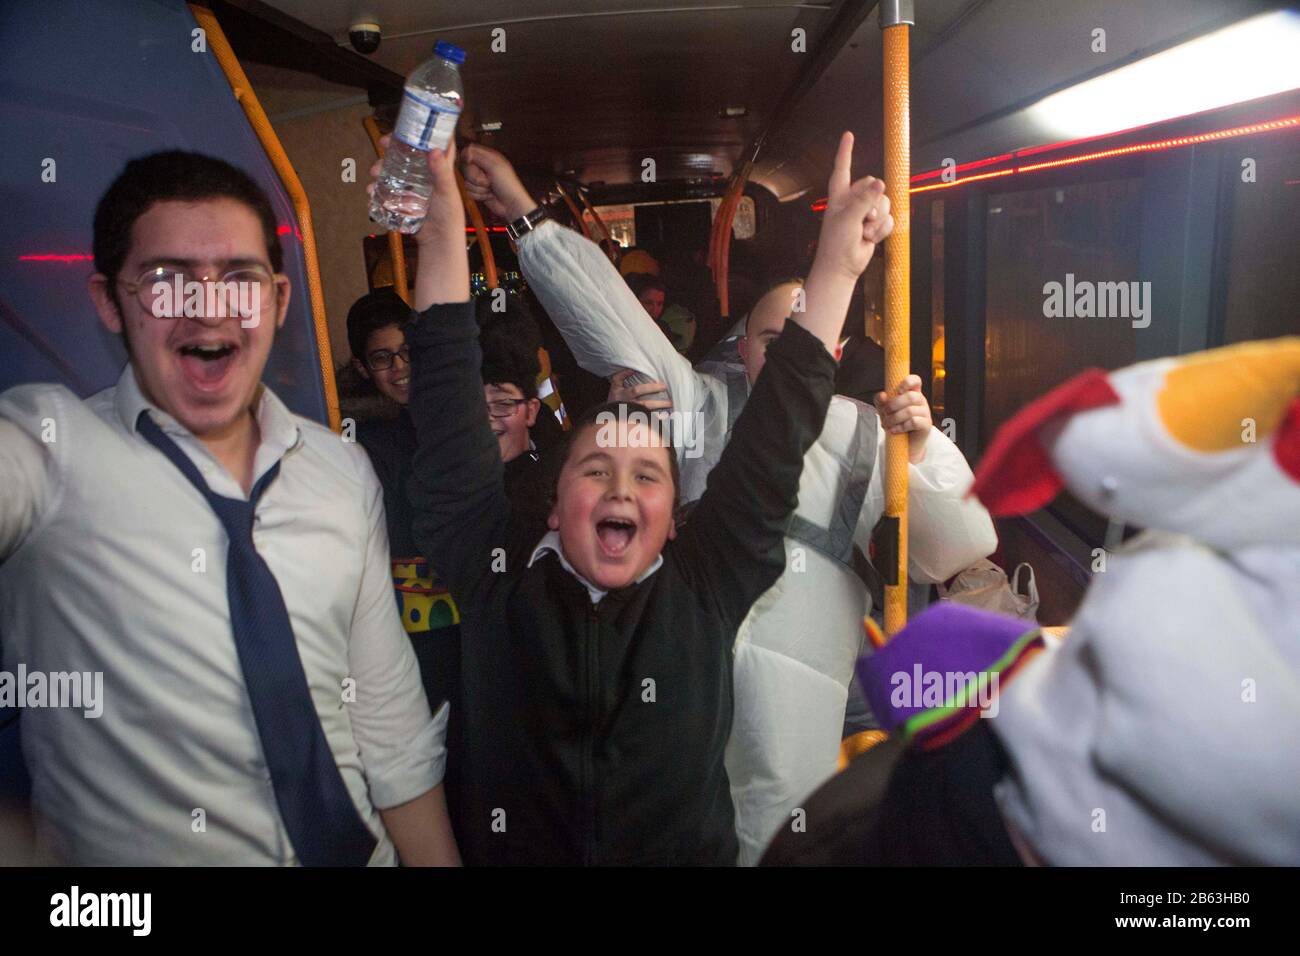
column 841, row 171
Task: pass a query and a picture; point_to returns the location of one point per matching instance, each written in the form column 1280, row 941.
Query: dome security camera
column 364, row 36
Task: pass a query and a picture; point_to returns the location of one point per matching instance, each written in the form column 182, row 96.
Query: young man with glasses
column 220, row 561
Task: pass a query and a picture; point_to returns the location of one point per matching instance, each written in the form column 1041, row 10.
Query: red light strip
column 1153, row 146
column 964, row 166
column 55, row 258
column 1166, row 144
column 968, row 179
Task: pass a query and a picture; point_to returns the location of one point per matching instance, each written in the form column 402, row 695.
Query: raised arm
column 856, row 219
column 733, row 544
column 457, row 491
column 601, row 320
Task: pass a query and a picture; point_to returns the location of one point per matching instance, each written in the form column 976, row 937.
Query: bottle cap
column 449, row 51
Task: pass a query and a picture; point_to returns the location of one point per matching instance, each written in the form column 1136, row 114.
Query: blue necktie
column 322, row 820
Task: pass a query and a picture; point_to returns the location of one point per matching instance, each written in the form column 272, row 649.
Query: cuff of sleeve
column 544, row 228
column 423, row 773
column 944, row 468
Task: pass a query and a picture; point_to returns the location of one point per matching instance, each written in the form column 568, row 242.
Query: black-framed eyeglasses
column 168, row 293
column 382, row 359
column 504, row 407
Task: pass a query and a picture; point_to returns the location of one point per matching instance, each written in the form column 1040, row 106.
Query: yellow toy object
column 424, row 604
column 547, row 392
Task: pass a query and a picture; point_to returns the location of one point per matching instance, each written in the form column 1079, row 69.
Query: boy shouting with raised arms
column 794, row 652
column 597, row 661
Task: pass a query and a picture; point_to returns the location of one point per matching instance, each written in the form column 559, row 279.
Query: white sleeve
column 946, row 531
column 402, row 745
column 28, row 470
column 601, row 320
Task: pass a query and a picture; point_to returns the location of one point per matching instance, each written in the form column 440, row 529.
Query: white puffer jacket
column 794, row 653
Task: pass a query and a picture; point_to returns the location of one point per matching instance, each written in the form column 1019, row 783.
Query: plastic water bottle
column 431, row 105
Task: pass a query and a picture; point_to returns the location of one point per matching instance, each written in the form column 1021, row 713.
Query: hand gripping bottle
column 431, row 105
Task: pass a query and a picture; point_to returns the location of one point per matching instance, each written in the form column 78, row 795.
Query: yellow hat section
column 1210, row 400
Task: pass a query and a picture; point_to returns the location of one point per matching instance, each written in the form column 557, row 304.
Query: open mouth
column 402, row 382
column 615, row 535
column 206, row 365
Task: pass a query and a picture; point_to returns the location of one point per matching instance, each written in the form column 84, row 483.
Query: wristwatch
column 526, row 223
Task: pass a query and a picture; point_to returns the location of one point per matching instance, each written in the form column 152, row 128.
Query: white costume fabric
column 795, row 651
column 1162, row 730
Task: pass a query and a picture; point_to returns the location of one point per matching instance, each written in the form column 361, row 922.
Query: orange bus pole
column 896, row 21
column 595, row 216
column 573, row 208
column 480, row 231
column 247, row 99
column 396, row 251
column 723, row 222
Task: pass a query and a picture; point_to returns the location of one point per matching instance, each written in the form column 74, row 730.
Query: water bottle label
column 426, row 122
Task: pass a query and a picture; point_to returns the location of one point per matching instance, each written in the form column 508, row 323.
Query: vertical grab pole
column 481, row 233
column 595, row 216
column 574, row 211
column 724, row 220
column 896, row 21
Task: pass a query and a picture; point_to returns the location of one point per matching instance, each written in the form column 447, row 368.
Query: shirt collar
column 279, row 432
column 551, row 542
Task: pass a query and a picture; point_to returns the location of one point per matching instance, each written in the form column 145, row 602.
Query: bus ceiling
column 590, row 90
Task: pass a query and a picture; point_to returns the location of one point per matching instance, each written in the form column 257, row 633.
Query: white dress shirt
column 112, row 562
column 551, row 542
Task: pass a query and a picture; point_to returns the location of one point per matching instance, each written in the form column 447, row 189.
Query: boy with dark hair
column 596, row 663
column 183, row 535
column 379, row 352
column 427, row 610
column 509, row 342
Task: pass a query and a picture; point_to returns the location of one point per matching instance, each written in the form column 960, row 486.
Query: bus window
column 619, row 220
column 1086, row 232
column 938, row 345
column 1069, row 235
column 1263, row 224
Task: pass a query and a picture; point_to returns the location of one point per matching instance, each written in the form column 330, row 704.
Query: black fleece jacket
column 595, row 734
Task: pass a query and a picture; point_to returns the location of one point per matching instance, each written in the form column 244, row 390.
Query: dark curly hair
column 173, row 175
column 509, row 341
column 373, row 311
